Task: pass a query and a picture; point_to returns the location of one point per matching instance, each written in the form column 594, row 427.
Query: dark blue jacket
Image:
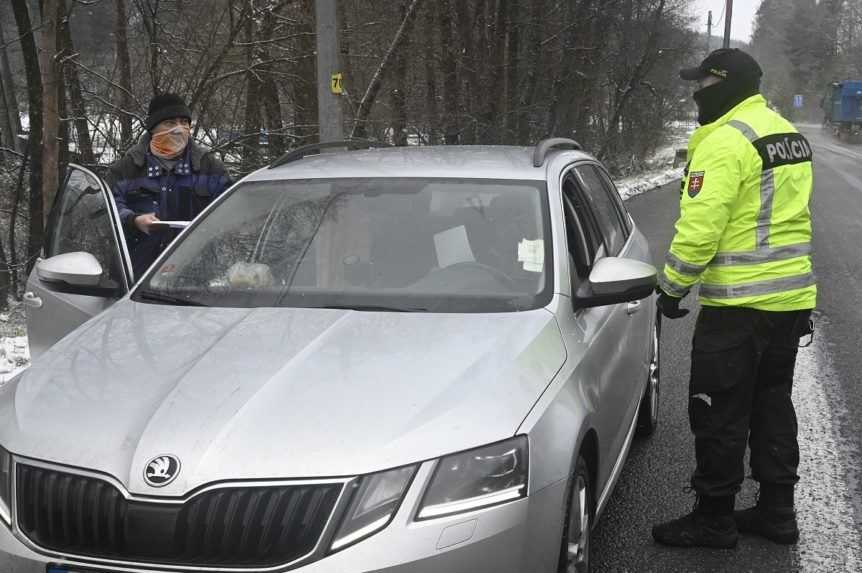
column 141, row 184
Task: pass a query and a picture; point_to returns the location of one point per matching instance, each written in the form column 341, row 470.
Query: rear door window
column 615, row 197
column 607, row 216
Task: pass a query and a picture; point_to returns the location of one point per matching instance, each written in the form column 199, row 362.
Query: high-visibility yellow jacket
column 744, row 231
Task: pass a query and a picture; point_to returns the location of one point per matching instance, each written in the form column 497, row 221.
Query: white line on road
column 830, row 539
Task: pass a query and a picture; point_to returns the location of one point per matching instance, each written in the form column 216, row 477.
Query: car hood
column 276, row 393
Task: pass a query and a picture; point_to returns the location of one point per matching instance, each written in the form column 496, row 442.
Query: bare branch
column 376, row 80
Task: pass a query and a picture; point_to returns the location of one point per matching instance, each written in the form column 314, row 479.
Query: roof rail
column 316, row 148
column 546, row 145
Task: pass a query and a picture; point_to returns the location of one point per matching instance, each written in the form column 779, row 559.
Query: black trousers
column 742, row 366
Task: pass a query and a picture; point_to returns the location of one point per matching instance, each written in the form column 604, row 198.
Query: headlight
column 478, row 478
column 5, row 486
column 374, row 502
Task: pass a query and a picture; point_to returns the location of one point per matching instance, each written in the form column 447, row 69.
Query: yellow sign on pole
column 337, row 84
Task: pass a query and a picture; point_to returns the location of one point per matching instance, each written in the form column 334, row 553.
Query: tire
column 648, row 413
column 577, row 529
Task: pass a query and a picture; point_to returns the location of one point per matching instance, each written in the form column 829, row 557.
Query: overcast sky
column 743, row 17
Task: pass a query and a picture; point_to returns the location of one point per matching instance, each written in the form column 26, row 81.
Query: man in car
column 744, row 235
column 164, row 177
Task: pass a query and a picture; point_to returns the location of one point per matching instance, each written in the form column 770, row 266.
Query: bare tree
column 635, row 80
column 50, row 103
column 35, row 143
column 12, row 116
column 125, row 68
column 73, row 84
column 451, row 91
column 368, row 99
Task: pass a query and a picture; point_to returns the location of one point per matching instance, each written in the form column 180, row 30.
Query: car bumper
column 520, row 536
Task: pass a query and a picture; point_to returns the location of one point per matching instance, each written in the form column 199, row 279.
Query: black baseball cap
column 729, row 64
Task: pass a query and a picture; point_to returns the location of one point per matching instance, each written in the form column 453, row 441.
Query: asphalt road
column 827, row 394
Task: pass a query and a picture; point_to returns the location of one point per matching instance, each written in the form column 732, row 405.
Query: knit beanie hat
column 165, row 106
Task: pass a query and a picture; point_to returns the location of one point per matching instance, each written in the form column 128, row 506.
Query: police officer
column 744, row 236
column 165, row 176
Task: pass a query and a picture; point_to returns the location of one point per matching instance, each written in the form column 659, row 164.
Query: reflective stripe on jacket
column 744, row 231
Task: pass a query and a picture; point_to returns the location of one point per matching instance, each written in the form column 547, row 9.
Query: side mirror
column 77, row 269
column 615, row 280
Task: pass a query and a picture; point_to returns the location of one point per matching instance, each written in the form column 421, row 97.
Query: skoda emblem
column 162, row 470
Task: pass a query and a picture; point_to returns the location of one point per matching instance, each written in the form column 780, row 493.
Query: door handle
column 633, row 307
column 31, row 300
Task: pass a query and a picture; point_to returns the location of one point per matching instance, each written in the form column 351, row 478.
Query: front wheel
column 648, row 414
column 575, row 554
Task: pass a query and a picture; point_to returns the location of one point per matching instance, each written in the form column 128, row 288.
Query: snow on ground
column 14, row 356
column 660, row 169
column 14, row 350
column 637, row 184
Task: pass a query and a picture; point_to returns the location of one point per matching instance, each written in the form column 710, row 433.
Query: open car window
column 439, row 245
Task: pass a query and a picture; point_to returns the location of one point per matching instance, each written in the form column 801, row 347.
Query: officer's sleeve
column 710, row 191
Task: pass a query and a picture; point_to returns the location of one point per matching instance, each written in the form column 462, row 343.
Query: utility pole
column 709, row 32
column 728, row 18
column 328, row 72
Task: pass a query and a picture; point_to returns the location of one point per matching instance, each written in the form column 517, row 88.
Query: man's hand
column 669, row 305
column 143, row 222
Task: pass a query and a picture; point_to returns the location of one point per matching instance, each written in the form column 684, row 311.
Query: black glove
column 669, row 305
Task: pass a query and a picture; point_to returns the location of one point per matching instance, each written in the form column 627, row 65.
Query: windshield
column 420, row 245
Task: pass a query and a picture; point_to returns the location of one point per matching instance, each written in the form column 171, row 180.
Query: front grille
column 260, row 526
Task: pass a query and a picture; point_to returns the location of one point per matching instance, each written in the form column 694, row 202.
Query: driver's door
column 83, row 219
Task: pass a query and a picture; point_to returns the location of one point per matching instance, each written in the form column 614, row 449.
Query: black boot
column 709, row 525
column 773, row 517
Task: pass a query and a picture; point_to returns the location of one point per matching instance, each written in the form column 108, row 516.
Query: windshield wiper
column 373, row 308
column 166, row 298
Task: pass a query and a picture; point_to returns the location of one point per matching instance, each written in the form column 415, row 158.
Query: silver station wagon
column 428, row 359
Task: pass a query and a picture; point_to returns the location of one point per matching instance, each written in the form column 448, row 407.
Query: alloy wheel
column 654, row 378
column 577, row 548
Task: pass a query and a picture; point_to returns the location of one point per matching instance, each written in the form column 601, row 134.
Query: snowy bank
column 14, row 356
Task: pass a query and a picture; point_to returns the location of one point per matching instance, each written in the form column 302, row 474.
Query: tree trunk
column 274, row 120
column 451, row 84
column 5, row 278
column 470, row 61
column 125, row 69
column 513, row 68
column 63, row 120
column 12, row 118
column 7, row 132
column 13, row 221
column 50, row 103
column 251, row 127
column 34, row 104
column 268, row 89
column 76, row 98
column 495, row 92
column 149, row 17
column 399, row 92
column 431, row 111
column 304, row 85
column 534, row 59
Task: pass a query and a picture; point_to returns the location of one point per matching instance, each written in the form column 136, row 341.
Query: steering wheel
column 494, row 272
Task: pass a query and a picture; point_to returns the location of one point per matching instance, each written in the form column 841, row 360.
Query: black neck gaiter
column 718, row 99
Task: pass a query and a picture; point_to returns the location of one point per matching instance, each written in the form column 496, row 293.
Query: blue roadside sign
column 798, row 101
